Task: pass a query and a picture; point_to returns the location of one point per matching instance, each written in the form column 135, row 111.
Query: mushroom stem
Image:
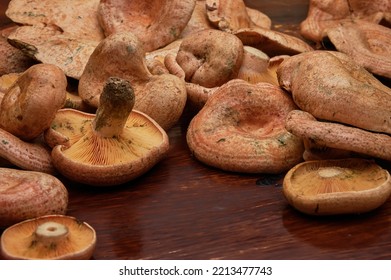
column 50, row 233
column 116, row 103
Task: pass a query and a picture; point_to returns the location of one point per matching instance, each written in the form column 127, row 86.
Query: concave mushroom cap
column 210, row 57
column 368, row 44
column 156, row 23
column 231, row 15
column 331, row 187
column 49, row 237
column 272, row 42
column 111, row 147
column 338, row 136
column 29, row 194
column 330, row 86
column 162, row 97
column 29, row 105
column 327, row 14
column 241, row 129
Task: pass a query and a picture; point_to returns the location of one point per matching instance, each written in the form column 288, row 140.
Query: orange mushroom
column 241, row 128
column 342, row 186
column 111, row 147
column 50, row 237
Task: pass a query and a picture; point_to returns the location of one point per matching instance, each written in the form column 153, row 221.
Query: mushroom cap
column 210, row 57
column 339, row 186
column 156, row 23
column 40, row 86
column 331, row 86
column 272, row 42
column 21, row 241
column 241, row 129
column 29, row 194
column 367, row 43
column 338, row 136
column 83, row 156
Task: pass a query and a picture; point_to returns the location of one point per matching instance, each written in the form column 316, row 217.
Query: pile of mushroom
column 96, row 89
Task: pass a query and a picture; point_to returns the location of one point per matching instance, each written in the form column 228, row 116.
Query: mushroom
column 198, row 21
column 49, row 237
column 162, row 97
column 111, row 147
column 368, row 44
column 272, row 42
column 241, row 129
column 338, row 136
column 29, row 194
column 156, row 23
column 328, row 14
column 346, row 94
column 29, row 105
column 340, row 186
column 30, row 156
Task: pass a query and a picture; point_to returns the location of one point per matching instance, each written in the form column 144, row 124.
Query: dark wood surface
column 182, row 209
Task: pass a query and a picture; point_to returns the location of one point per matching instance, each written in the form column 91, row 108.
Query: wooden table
column 182, row 209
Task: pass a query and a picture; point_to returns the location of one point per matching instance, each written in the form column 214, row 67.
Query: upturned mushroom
column 156, row 23
column 348, row 94
column 50, row 237
column 29, row 105
column 29, row 194
column 335, row 187
column 162, row 97
column 241, row 128
column 111, row 147
column 338, row 136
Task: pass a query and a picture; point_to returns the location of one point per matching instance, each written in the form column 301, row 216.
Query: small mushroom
column 272, row 42
column 29, row 194
column 156, row 23
column 29, row 105
column 49, row 237
column 162, row 97
column 241, row 129
column 348, row 94
column 338, row 136
column 341, row 186
column 111, row 147
column 368, row 44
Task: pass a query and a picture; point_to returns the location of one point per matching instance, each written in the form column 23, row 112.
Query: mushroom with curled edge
column 367, row 43
column 231, row 15
column 323, row 15
column 30, row 104
column 49, row 237
column 335, row 187
column 338, row 136
column 241, row 129
column 162, row 97
column 111, row 147
column 156, row 22
column 29, row 194
column 347, row 94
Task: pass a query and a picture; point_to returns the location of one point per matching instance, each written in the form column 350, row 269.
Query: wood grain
column 182, row 209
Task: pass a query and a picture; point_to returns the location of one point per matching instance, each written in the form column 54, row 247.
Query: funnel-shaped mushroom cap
column 328, row 14
column 51, row 237
column 241, row 129
column 344, row 186
column 156, row 23
column 112, row 147
column 368, row 44
column 331, row 86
